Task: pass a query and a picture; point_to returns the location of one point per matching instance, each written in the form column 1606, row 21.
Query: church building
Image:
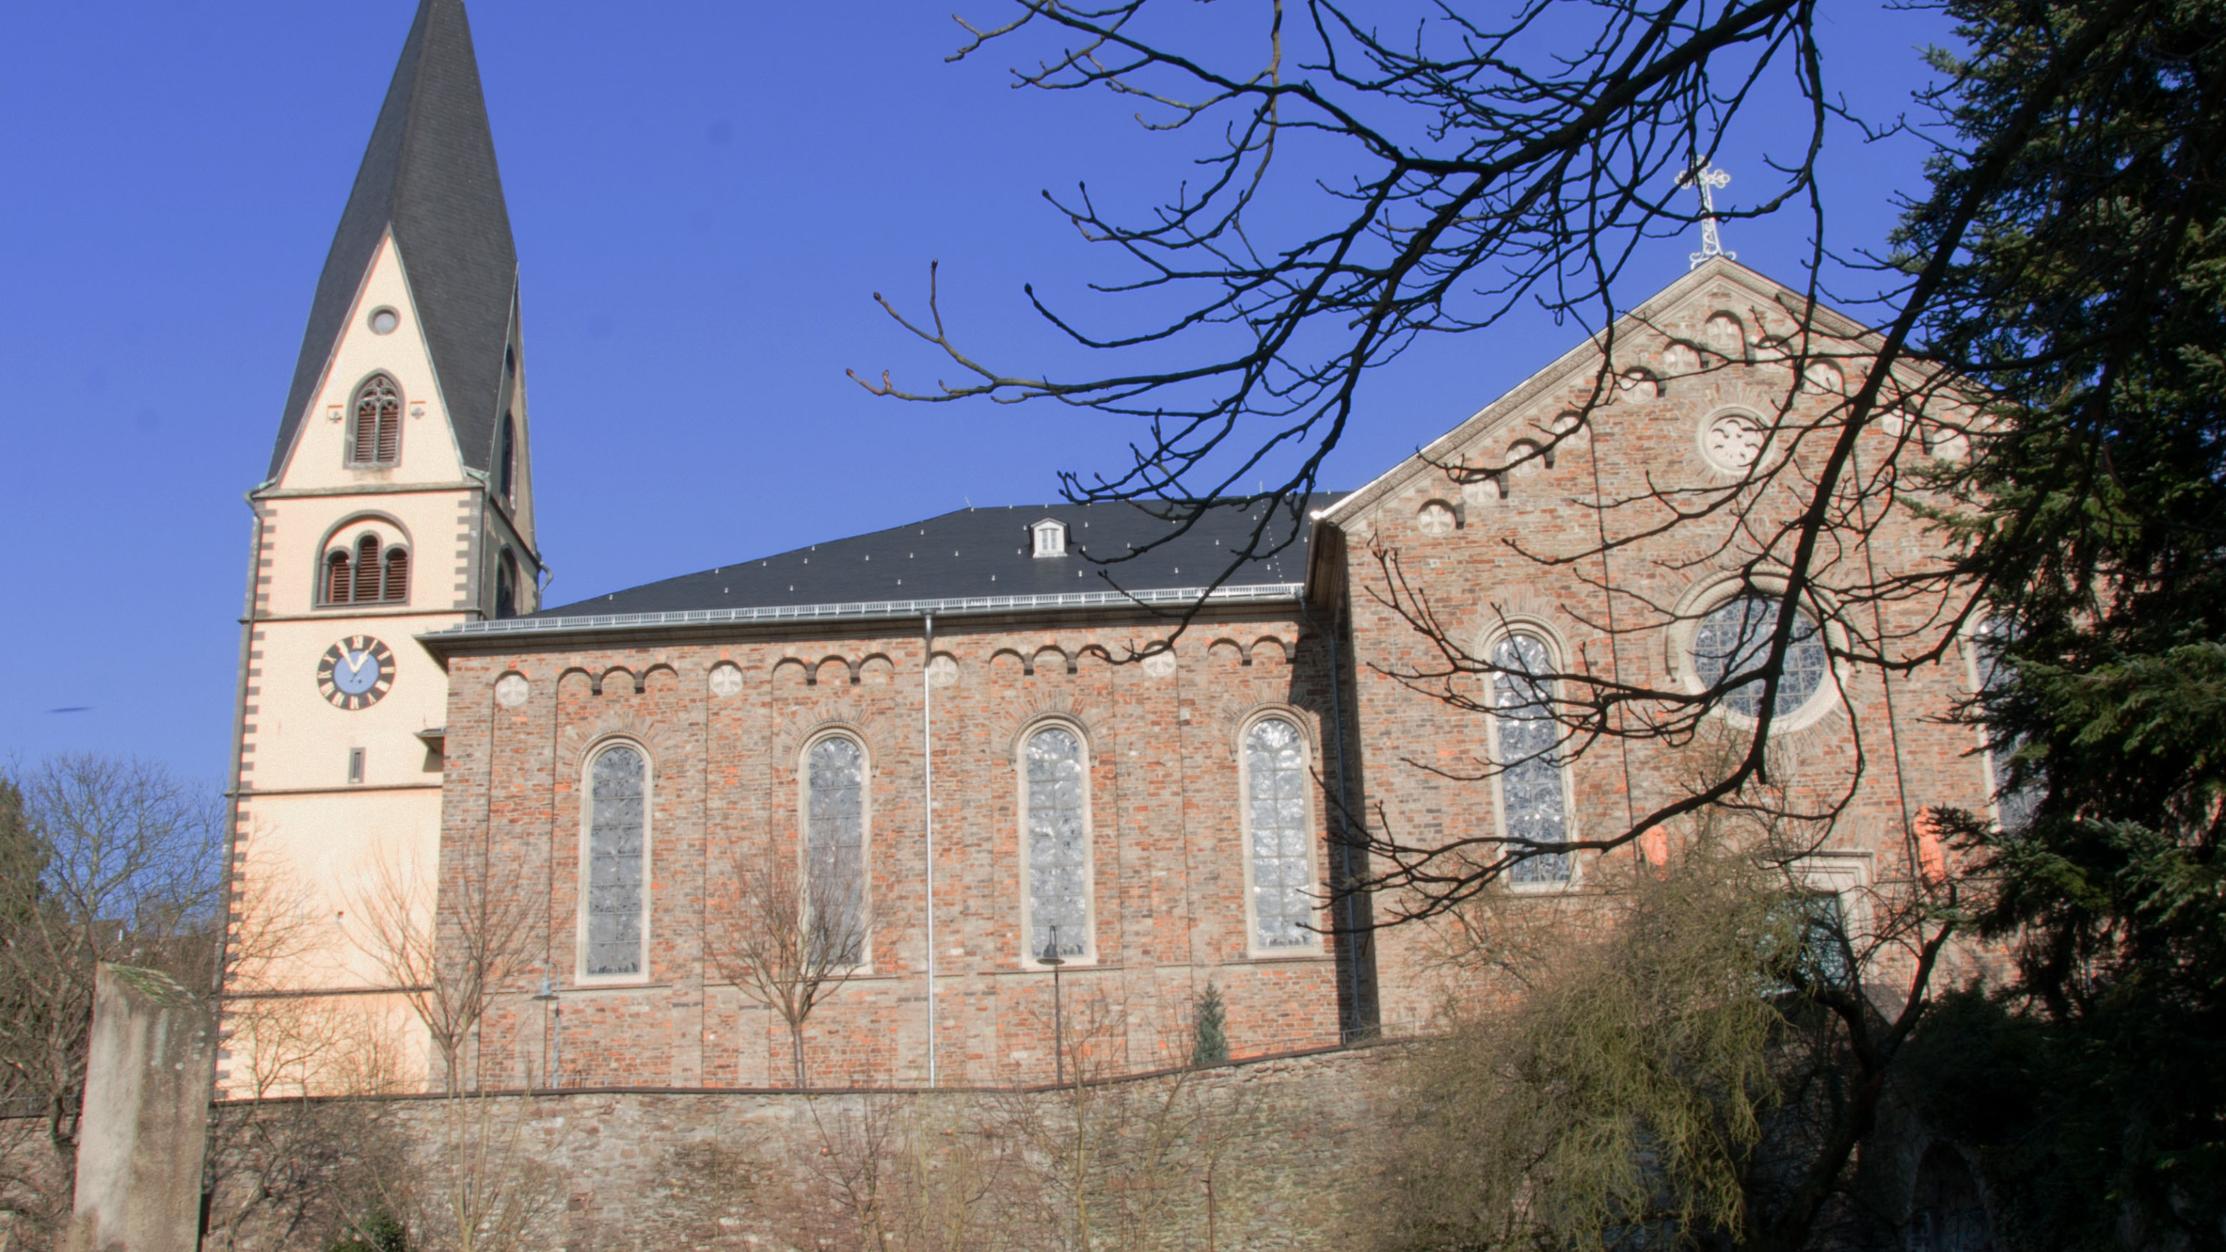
column 1015, row 808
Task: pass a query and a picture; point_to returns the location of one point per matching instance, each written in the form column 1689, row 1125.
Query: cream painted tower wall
column 322, row 833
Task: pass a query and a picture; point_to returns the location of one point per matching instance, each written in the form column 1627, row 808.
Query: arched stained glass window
column 1056, row 835
column 1276, row 780
column 617, row 846
column 1534, row 799
column 377, row 436
column 1735, row 637
column 835, row 848
column 2013, row 803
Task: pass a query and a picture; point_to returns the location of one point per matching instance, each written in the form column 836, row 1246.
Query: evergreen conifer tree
column 1209, row 1030
column 2090, row 299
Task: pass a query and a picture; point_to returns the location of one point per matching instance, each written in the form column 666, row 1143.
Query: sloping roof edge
column 428, row 176
column 1637, row 319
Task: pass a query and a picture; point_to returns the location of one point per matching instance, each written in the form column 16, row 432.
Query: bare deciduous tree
column 447, row 952
column 1701, row 1055
column 101, row 859
column 484, row 1187
column 791, row 940
column 1369, row 179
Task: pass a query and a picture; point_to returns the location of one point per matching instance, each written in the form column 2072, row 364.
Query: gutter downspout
column 1350, row 920
column 927, row 763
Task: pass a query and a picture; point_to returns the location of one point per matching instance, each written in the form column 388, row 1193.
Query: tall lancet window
column 506, row 459
column 2014, row 805
column 1281, row 864
column 1055, row 839
column 835, row 848
column 615, row 905
column 1534, row 801
column 377, row 436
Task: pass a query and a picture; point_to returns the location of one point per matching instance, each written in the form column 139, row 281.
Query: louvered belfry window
column 367, row 571
column 378, row 423
column 339, row 588
column 397, row 586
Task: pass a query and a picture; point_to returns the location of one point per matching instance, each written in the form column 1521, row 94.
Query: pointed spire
column 428, row 175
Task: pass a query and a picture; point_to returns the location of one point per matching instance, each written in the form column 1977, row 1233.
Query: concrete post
column 144, row 1129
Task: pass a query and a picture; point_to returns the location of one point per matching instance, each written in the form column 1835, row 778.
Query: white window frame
column 1990, row 767
column 1847, row 876
column 1048, row 538
column 865, row 830
column 580, row 976
column 1554, row 653
column 1089, row 954
column 1253, row 948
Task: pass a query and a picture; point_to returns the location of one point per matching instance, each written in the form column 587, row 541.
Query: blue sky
column 705, row 195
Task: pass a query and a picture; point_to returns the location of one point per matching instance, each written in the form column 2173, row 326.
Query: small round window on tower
column 383, row 321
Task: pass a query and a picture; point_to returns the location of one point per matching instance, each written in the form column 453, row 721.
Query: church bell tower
column 398, row 501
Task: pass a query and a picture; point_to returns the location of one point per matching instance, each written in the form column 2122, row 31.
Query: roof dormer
column 1049, row 537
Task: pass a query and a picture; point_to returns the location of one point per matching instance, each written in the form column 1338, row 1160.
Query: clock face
column 356, row 672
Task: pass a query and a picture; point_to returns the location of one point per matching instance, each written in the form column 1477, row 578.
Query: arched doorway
column 1947, row 1213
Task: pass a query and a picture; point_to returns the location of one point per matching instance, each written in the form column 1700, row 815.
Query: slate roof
column 429, row 174
column 979, row 552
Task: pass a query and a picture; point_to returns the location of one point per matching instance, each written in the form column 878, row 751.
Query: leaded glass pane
column 1282, row 871
column 1058, row 844
column 1735, row 637
column 1820, row 951
column 1997, row 674
column 1531, row 792
column 616, row 799
column 835, row 842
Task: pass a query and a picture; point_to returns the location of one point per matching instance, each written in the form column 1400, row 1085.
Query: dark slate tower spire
column 429, row 176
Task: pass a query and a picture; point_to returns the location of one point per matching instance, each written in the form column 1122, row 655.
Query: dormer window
column 1050, row 537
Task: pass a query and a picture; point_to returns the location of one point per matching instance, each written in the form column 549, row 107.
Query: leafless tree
column 791, row 940
column 483, row 1185
column 447, row 951
column 1370, row 178
column 1699, row 1045
column 101, row 859
column 284, row 1169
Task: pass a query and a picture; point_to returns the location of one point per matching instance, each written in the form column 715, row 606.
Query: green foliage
column 1625, row 1088
column 1209, row 1030
column 2091, row 296
column 377, row 1231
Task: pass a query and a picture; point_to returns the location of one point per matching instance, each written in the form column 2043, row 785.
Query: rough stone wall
column 1168, row 859
column 1483, row 556
column 615, row 1171
column 34, row 1185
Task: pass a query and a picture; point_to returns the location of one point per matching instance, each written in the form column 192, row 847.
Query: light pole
column 1052, row 958
column 548, row 997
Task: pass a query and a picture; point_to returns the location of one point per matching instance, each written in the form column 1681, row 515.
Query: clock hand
column 355, row 660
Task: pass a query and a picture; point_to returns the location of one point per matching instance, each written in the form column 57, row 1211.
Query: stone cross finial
column 1705, row 177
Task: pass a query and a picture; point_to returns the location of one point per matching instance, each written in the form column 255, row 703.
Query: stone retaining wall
column 1251, row 1155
